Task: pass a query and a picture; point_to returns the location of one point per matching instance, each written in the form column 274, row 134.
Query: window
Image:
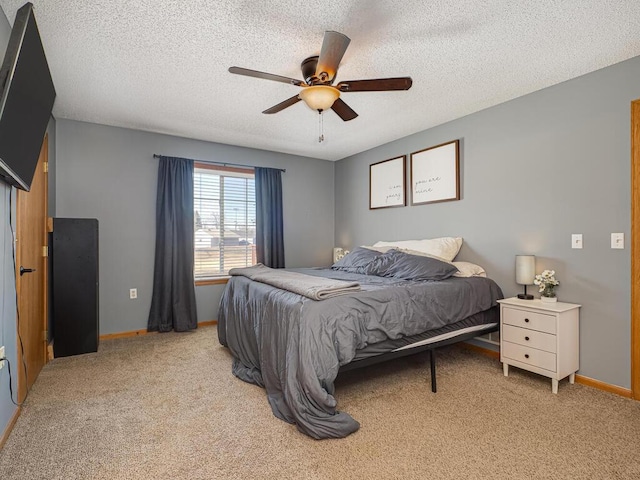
column 224, row 219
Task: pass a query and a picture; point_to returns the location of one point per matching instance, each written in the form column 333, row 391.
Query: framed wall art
column 386, row 183
column 435, row 174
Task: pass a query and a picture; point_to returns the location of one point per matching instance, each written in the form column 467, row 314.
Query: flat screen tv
column 26, row 101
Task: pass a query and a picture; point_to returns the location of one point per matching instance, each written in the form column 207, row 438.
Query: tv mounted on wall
column 26, row 101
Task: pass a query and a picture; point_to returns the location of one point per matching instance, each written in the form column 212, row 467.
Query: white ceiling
column 161, row 66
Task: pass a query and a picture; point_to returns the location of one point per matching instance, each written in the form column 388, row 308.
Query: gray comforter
column 293, row 346
column 310, row 286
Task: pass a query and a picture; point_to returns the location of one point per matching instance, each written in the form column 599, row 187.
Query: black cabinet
column 74, row 278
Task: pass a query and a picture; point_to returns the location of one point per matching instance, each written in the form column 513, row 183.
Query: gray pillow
column 359, row 260
column 413, row 267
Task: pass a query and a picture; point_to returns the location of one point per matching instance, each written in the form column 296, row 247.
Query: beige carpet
column 167, row 407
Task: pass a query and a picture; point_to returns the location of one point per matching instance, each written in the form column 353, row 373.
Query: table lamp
column 525, row 273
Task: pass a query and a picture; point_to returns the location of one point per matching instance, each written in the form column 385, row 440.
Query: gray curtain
column 173, row 305
column 269, row 229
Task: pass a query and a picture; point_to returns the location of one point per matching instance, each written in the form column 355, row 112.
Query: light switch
column 617, row 240
column 576, row 240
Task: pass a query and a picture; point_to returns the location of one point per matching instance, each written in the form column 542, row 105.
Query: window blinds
column 224, row 219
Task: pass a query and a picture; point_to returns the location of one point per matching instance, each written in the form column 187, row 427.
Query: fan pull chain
column 320, row 127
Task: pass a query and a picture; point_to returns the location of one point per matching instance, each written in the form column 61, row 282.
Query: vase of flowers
column 547, row 283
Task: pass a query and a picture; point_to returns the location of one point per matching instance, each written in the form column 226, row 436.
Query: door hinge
column 45, row 251
column 46, row 167
column 46, row 335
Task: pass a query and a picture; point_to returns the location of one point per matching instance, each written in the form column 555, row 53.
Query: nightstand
column 540, row 337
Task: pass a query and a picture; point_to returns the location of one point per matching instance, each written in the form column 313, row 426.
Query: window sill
column 212, row 281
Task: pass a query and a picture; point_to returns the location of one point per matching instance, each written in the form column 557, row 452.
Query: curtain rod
column 224, row 164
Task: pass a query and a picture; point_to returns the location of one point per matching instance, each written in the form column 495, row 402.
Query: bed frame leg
column 432, row 358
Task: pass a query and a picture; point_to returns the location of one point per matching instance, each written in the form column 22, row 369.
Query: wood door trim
column 5, row 435
column 635, row 249
column 45, row 245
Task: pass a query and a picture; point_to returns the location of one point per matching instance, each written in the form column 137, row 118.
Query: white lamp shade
column 319, row 97
column 525, row 269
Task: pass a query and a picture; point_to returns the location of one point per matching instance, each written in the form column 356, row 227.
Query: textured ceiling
column 161, row 66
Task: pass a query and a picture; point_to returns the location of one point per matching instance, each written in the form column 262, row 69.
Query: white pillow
column 446, row 247
column 467, row 269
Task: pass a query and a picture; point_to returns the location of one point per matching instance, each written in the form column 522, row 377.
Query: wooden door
column 635, row 249
column 31, row 240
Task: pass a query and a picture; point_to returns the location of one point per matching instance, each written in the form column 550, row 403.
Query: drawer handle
column 526, row 320
column 526, row 338
column 526, row 355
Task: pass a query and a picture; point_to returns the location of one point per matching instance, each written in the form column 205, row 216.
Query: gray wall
column 51, row 199
column 8, row 326
column 110, row 174
column 533, row 171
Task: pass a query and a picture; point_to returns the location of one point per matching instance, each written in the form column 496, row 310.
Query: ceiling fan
column 319, row 72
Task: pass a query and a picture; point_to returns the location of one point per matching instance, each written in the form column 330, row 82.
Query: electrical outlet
column 1, row 356
column 133, row 293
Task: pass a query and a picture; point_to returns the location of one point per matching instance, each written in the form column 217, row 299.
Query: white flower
column 546, row 280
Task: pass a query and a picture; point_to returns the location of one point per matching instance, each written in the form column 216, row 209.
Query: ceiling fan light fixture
column 319, row 72
column 319, row 97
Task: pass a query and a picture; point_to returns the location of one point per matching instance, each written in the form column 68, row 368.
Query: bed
column 295, row 346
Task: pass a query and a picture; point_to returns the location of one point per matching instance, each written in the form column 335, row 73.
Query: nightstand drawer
column 530, row 356
column 530, row 338
column 526, row 319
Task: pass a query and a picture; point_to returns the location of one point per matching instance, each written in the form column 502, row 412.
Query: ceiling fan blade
column 267, row 76
column 343, row 110
column 282, row 105
column 375, row 85
column 333, row 47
